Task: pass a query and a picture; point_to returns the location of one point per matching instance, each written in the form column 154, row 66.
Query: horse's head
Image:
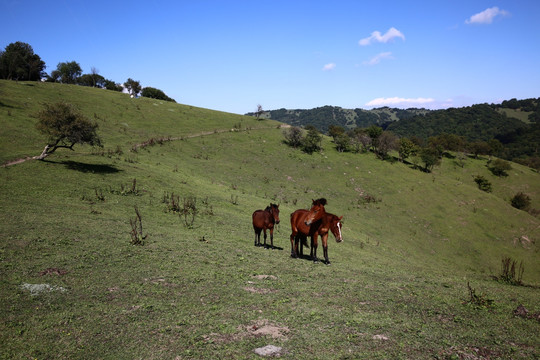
column 316, row 212
column 335, row 227
column 274, row 210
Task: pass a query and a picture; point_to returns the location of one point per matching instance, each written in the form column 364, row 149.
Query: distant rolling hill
column 515, row 123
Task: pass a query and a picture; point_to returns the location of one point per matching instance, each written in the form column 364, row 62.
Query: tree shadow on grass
column 90, row 168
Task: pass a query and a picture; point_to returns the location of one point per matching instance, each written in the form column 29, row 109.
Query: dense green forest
column 324, row 117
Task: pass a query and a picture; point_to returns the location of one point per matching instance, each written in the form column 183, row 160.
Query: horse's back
column 298, row 215
column 262, row 219
column 258, row 219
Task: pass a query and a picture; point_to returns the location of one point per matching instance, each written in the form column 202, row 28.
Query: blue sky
column 233, row 55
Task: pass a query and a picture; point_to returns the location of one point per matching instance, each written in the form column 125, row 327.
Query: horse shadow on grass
column 269, row 247
column 87, row 168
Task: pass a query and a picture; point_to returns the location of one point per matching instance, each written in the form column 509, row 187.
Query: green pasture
column 416, row 248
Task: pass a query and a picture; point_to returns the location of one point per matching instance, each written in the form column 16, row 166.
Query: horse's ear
column 341, row 217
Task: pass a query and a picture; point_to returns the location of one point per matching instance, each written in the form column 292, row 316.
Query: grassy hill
column 397, row 286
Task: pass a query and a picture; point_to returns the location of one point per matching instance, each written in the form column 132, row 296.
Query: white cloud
column 397, row 101
column 329, row 67
column 377, row 58
column 377, row 37
column 486, row 16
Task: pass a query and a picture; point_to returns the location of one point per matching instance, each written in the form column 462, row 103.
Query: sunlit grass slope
column 396, row 287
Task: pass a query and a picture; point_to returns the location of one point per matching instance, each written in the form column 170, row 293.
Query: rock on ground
column 268, row 350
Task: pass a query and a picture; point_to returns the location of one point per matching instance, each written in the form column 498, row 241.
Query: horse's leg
column 272, row 237
column 264, row 237
column 325, row 248
column 257, row 236
column 314, row 245
column 293, row 238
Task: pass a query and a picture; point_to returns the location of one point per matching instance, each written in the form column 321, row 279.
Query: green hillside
column 398, row 286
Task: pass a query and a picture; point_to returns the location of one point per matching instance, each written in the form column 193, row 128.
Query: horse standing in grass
column 329, row 222
column 263, row 220
column 301, row 221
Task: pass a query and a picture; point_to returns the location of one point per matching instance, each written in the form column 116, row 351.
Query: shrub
column 189, row 211
column 483, row 183
column 500, row 167
column 508, row 271
column 521, row 201
column 293, row 136
column 137, row 237
column 478, row 301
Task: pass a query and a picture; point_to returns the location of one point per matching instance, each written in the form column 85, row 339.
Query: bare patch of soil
column 258, row 328
column 266, row 328
column 255, row 290
column 53, row 271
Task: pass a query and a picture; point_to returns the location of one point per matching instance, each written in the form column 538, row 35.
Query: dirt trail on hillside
column 152, row 140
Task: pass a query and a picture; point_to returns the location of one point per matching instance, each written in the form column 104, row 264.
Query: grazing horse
column 265, row 219
column 329, row 222
column 301, row 221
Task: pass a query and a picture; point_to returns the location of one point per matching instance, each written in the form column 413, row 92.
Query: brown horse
column 329, row 222
column 301, row 221
column 263, row 220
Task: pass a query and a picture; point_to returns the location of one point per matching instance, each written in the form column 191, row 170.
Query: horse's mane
column 321, row 201
column 268, row 208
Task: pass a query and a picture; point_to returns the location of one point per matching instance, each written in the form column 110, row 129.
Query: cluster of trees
column 422, row 154
column 308, row 140
column 19, row 62
column 476, row 125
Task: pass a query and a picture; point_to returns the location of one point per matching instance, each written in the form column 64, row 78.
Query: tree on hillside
column 91, row 80
column 259, row 112
column 341, row 138
column 386, row 143
column 65, row 126
column 312, row 141
column 293, row 136
column 335, row 131
column 374, row 132
column 154, row 93
column 430, row 158
column 67, row 72
column 360, row 140
column 111, row 85
column 406, row 148
column 343, row 142
column 18, row 62
column 479, row 148
column 133, row 87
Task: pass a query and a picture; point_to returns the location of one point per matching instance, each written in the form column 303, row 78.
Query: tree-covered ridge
column 324, row 117
column 477, row 122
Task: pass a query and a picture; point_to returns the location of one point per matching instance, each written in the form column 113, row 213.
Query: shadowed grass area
column 399, row 285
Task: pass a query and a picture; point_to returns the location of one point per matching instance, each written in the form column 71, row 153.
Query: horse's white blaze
column 339, row 229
